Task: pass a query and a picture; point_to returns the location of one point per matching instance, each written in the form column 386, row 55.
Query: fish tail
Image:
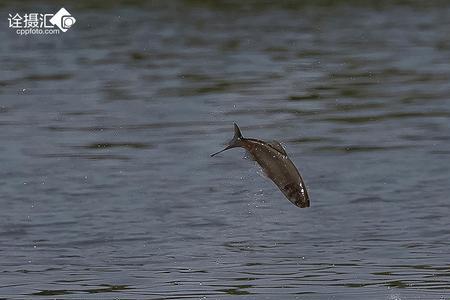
column 235, row 141
column 237, row 136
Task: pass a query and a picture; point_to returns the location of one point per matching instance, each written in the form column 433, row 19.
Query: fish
column 276, row 165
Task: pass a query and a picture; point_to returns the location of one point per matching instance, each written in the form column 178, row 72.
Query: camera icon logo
column 67, row 21
column 63, row 19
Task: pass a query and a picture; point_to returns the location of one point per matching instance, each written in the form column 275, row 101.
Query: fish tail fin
column 235, row 141
column 237, row 136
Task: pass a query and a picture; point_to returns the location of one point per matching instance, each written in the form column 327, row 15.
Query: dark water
column 107, row 189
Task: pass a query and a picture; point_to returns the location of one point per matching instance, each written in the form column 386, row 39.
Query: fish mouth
column 302, row 203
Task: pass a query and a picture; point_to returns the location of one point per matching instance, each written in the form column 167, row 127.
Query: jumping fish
column 275, row 163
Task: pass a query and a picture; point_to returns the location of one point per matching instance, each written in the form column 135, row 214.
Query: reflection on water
column 108, row 189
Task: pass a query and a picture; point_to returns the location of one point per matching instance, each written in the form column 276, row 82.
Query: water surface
column 107, row 189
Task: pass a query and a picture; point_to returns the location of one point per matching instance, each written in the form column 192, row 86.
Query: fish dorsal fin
column 277, row 146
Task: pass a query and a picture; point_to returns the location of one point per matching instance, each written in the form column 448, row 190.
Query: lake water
column 107, row 189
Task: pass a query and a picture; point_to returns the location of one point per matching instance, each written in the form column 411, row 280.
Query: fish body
column 276, row 164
